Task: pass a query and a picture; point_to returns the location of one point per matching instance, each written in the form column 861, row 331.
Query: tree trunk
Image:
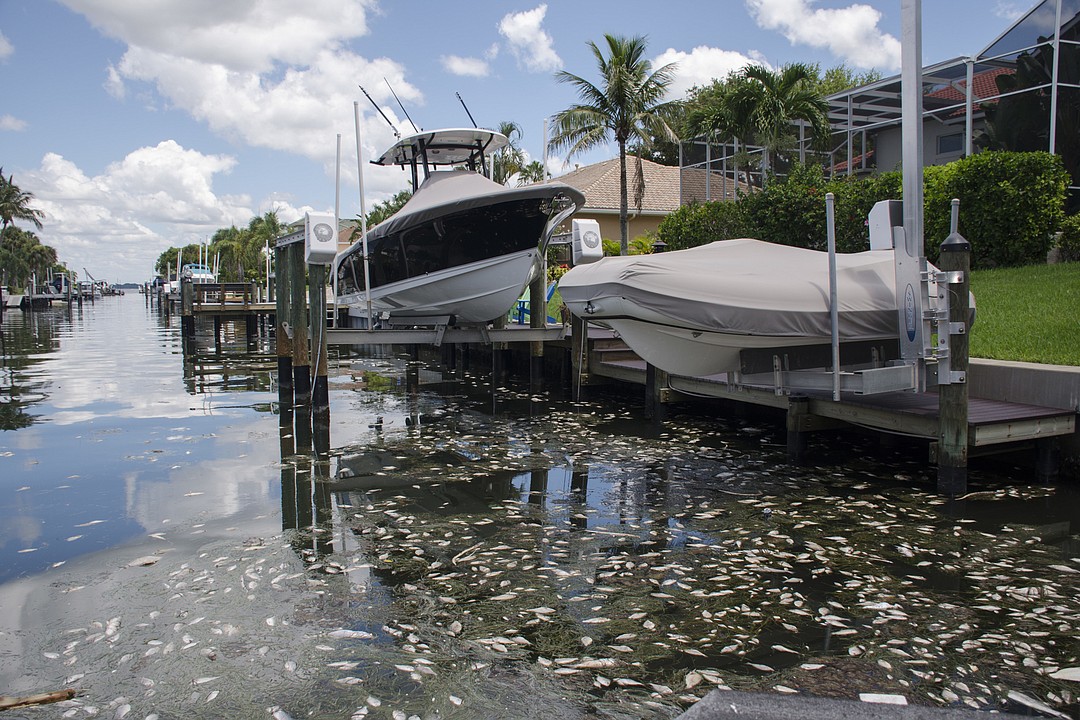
column 624, row 203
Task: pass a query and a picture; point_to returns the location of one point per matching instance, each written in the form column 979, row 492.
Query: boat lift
column 925, row 355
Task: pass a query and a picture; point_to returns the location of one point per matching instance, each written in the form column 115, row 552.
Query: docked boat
column 198, row 273
column 463, row 248
column 692, row 312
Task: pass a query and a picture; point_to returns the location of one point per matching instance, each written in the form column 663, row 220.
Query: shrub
column 1069, row 241
column 702, row 223
column 1010, row 205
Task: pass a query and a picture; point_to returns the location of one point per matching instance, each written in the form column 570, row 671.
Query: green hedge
column 1069, row 242
column 1011, row 204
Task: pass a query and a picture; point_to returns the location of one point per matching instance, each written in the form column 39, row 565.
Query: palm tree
column 15, row 204
column 508, row 161
column 532, row 173
column 768, row 102
column 628, row 104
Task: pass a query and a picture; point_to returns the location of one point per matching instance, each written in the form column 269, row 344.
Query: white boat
column 692, row 312
column 198, row 273
column 463, row 248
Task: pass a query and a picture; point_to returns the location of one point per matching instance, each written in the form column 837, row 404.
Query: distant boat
column 463, row 248
column 691, row 312
column 198, row 273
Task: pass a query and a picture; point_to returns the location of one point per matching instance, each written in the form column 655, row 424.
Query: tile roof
column 600, row 184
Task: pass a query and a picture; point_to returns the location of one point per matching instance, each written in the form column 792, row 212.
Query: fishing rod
column 466, row 109
column 415, row 129
column 379, row 110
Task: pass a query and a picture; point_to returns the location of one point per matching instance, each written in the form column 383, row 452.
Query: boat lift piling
column 952, row 448
column 283, row 331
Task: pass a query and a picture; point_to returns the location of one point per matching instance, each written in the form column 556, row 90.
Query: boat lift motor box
column 586, row 241
column 320, row 239
column 883, row 217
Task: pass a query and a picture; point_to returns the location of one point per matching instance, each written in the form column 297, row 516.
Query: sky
column 143, row 125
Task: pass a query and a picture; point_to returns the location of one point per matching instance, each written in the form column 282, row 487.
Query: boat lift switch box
column 320, row 239
column 586, row 241
column 883, row 217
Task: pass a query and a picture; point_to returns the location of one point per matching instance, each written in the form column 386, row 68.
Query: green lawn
column 1029, row 313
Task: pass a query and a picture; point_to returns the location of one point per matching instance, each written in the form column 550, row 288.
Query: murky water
column 172, row 546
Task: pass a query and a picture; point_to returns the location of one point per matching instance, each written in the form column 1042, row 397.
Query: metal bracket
column 952, row 277
column 288, row 330
column 957, row 328
column 957, row 377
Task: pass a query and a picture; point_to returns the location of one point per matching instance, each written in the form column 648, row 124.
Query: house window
column 950, row 144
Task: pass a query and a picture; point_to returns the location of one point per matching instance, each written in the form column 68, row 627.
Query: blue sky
column 140, row 125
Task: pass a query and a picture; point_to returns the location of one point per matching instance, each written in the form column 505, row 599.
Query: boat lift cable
column 415, row 129
column 466, row 109
column 379, row 110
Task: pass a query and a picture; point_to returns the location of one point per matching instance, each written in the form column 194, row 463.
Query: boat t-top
column 463, row 248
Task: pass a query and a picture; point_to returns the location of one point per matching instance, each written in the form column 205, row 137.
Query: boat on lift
column 463, row 248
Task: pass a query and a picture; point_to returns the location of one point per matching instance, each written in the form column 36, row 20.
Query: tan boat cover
column 746, row 287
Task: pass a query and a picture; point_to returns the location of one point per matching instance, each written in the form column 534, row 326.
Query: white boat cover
column 454, row 191
column 743, row 287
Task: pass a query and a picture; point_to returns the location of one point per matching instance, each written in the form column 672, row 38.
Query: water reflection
column 105, row 439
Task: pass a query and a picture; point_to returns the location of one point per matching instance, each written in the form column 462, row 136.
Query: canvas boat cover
column 744, row 286
column 455, row 191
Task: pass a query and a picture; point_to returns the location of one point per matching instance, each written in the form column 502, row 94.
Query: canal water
column 172, row 546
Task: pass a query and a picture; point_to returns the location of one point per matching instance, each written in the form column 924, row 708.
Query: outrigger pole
column 415, row 129
column 466, row 110
column 379, row 110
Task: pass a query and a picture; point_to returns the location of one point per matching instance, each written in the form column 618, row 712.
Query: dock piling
column 301, row 361
column 953, row 390
column 282, row 341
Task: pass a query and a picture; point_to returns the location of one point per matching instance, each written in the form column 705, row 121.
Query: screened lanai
column 1021, row 92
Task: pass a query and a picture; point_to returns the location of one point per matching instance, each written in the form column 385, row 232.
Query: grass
column 1029, row 314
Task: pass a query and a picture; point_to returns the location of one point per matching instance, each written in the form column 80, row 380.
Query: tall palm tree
column 628, row 104
column 15, row 204
column 769, row 101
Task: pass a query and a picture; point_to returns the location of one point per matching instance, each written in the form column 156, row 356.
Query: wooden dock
column 993, row 426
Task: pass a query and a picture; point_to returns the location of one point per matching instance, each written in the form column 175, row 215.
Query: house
column 666, row 188
column 1014, row 75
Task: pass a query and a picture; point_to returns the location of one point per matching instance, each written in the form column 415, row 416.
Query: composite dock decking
column 991, row 423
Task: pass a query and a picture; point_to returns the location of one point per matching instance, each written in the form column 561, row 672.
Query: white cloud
column 473, row 67
column 249, row 36
column 117, row 223
column 700, row 66
column 533, row 47
column 1010, row 10
column 851, row 33
column 266, row 73
column 12, row 123
column 6, row 48
column 114, row 84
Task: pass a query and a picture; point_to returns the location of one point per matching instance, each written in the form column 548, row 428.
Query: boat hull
column 468, row 294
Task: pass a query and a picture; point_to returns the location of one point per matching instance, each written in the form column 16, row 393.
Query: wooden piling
column 656, row 385
column 798, row 414
column 187, row 316
column 301, row 361
column 282, row 340
column 320, row 398
column 952, row 453
column 537, row 319
column 579, row 361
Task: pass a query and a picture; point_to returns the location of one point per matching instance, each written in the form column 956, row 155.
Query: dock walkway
column 993, row 425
